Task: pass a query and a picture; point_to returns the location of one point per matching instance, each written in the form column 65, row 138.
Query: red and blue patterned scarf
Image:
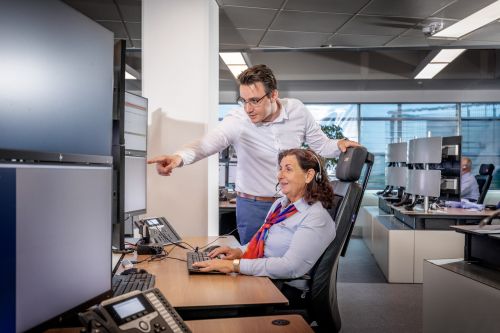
column 255, row 247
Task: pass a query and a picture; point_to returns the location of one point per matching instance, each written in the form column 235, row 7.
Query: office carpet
column 368, row 303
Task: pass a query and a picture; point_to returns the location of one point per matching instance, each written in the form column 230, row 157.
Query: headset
column 318, row 177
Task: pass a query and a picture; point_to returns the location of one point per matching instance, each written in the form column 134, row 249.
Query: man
column 468, row 184
column 259, row 130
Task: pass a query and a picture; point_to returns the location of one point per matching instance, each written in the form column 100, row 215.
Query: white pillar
column 180, row 68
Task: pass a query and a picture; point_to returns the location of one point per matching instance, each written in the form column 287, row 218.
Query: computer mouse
column 210, row 248
column 129, row 271
column 134, row 271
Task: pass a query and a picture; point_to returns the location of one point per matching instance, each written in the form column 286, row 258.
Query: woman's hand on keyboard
column 221, row 265
column 228, row 253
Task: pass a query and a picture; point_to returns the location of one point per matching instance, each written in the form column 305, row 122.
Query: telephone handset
column 157, row 230
column 134, row 312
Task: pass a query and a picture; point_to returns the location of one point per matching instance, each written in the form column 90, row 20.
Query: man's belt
column 255, row 198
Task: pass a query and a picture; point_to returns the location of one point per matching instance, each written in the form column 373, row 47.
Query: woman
column 297, row 229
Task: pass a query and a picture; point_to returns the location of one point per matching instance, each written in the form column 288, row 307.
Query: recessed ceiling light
column 429, row 71
column 237, row 69
column 447, row 55
column 129, row 76
column 440, row 61
column 234, row 61
column 472, row 22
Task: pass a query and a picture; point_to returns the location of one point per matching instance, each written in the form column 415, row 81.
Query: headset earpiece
column 318, row 176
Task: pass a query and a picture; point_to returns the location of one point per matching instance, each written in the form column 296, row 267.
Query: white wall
column 180, row 79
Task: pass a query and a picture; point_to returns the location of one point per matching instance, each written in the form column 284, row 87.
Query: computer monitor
column 396, row 152
column 135, row 143
column 135, row 122
column 56, row 226
column 135, row 185
column 58, row 75
column 450, row 168
column 129, row 158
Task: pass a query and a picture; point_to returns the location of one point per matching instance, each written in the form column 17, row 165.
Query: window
column 376, row 125
column 480, row 129
column 382, row 124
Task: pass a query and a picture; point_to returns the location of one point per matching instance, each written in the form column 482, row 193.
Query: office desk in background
column 401, row 242
column 198, row 296
column 263, row 324
column 439, row 220
column 227, row 218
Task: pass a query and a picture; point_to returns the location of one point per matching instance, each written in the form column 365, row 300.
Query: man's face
column 259, row 106
column 463, row 166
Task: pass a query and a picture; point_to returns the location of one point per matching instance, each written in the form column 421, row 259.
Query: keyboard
column 123, row 284
column 195, row 257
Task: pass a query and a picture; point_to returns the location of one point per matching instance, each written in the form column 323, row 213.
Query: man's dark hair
column 259, row 73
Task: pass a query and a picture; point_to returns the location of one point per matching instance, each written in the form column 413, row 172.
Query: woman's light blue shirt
column 294, row 245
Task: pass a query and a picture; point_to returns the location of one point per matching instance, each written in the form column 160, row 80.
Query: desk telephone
column 157, row 230
column 135, row 312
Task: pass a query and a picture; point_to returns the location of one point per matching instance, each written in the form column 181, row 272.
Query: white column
column 180, row 68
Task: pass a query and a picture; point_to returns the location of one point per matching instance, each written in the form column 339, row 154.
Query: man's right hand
column 166, row 163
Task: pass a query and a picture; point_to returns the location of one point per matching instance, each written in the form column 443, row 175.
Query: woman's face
column 292, row 179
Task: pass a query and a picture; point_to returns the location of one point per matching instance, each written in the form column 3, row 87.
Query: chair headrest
column 486, row 169
column 351, row 164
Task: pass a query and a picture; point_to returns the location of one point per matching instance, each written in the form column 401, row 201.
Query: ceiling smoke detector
column 432, row 28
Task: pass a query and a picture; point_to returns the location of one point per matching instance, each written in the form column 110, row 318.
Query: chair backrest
column 347, row 200
column 484, row 180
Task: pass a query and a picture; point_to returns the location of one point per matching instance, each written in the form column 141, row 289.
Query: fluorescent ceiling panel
column 234, row 61
column 233, row 58
column 447, row 55
column 237, row 69
column 472, row 22
column 429, row 71
column 129, row 76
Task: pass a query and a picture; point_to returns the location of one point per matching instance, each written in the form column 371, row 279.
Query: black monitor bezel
column 33, row 157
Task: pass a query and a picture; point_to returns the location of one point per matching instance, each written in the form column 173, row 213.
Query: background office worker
column 469, row 188
column 263, row 126
column 297, row 230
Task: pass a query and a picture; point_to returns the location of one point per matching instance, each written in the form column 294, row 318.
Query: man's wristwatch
column 236, row 265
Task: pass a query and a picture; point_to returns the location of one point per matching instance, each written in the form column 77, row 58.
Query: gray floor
column 368, row 303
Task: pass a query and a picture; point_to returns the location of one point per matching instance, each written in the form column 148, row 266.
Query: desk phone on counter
column 158, row 230
column 135, row 312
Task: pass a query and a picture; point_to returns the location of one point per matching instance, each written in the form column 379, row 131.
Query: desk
column 226, row 206
column 460, row 297
column 439, row 220
column 482, row 244
column 250, row 325
column 235, row 325
column 227, row 218
column 400, row 249
column 193, row 294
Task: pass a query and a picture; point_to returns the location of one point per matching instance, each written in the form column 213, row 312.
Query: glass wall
column 480, row 129
column 376, row 125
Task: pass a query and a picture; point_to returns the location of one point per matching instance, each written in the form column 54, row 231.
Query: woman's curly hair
column 319, row 189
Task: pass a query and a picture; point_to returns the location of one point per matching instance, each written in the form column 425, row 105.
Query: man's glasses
column 252, row 101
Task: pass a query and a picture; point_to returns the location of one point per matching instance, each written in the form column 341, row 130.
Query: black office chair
column 484, row 180
column 321, row 299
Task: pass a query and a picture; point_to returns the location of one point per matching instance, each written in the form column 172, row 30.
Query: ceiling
column 338, row 43
column 250, row 24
